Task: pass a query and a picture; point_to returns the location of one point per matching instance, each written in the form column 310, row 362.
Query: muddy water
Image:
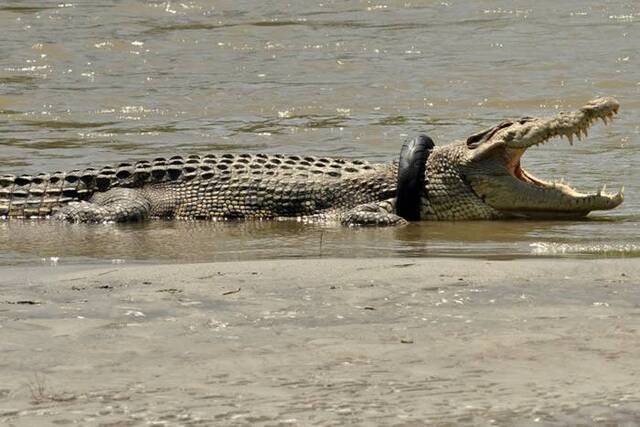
column 89, row 82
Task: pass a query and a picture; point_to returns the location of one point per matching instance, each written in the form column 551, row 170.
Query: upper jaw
column 516, row 192
column 538, row 131
column 528, row 131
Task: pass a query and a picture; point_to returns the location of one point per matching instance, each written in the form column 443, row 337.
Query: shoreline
column 402, row 341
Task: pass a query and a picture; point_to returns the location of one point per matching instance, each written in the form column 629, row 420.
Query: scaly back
column 37, row 195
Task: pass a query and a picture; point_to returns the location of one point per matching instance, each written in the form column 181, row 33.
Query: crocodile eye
column 477, row 139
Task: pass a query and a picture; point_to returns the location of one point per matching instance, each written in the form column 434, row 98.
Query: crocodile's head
column 491, row 166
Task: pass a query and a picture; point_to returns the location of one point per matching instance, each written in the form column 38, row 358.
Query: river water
column 92, row 82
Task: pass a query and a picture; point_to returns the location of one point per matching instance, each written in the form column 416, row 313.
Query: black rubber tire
column 411, row 170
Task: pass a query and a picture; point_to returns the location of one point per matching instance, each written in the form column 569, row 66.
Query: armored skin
column 477, row 179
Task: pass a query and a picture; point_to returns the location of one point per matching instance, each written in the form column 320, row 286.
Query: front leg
column 115, row 205
column 374, row 213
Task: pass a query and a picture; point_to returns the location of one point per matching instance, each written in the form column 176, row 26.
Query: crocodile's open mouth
column 518, row 192
column 571, row 202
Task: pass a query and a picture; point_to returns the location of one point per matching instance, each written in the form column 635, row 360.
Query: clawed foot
column 84, row 212
column 372, row 214
column 116, row 205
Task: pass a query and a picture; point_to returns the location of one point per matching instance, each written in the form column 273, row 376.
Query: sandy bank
column 382, row 341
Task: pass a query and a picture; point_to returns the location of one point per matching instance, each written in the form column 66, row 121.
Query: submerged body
column 480, row 178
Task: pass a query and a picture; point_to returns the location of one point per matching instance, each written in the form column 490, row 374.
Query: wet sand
column 322, row 342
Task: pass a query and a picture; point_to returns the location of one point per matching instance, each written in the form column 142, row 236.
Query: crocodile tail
column 38, row 195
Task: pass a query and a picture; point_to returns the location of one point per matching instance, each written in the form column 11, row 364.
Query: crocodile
column 478, row 179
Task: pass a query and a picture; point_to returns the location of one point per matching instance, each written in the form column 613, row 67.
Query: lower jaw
column 532, row 214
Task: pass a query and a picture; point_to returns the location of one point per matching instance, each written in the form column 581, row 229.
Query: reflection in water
column 173, row 241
